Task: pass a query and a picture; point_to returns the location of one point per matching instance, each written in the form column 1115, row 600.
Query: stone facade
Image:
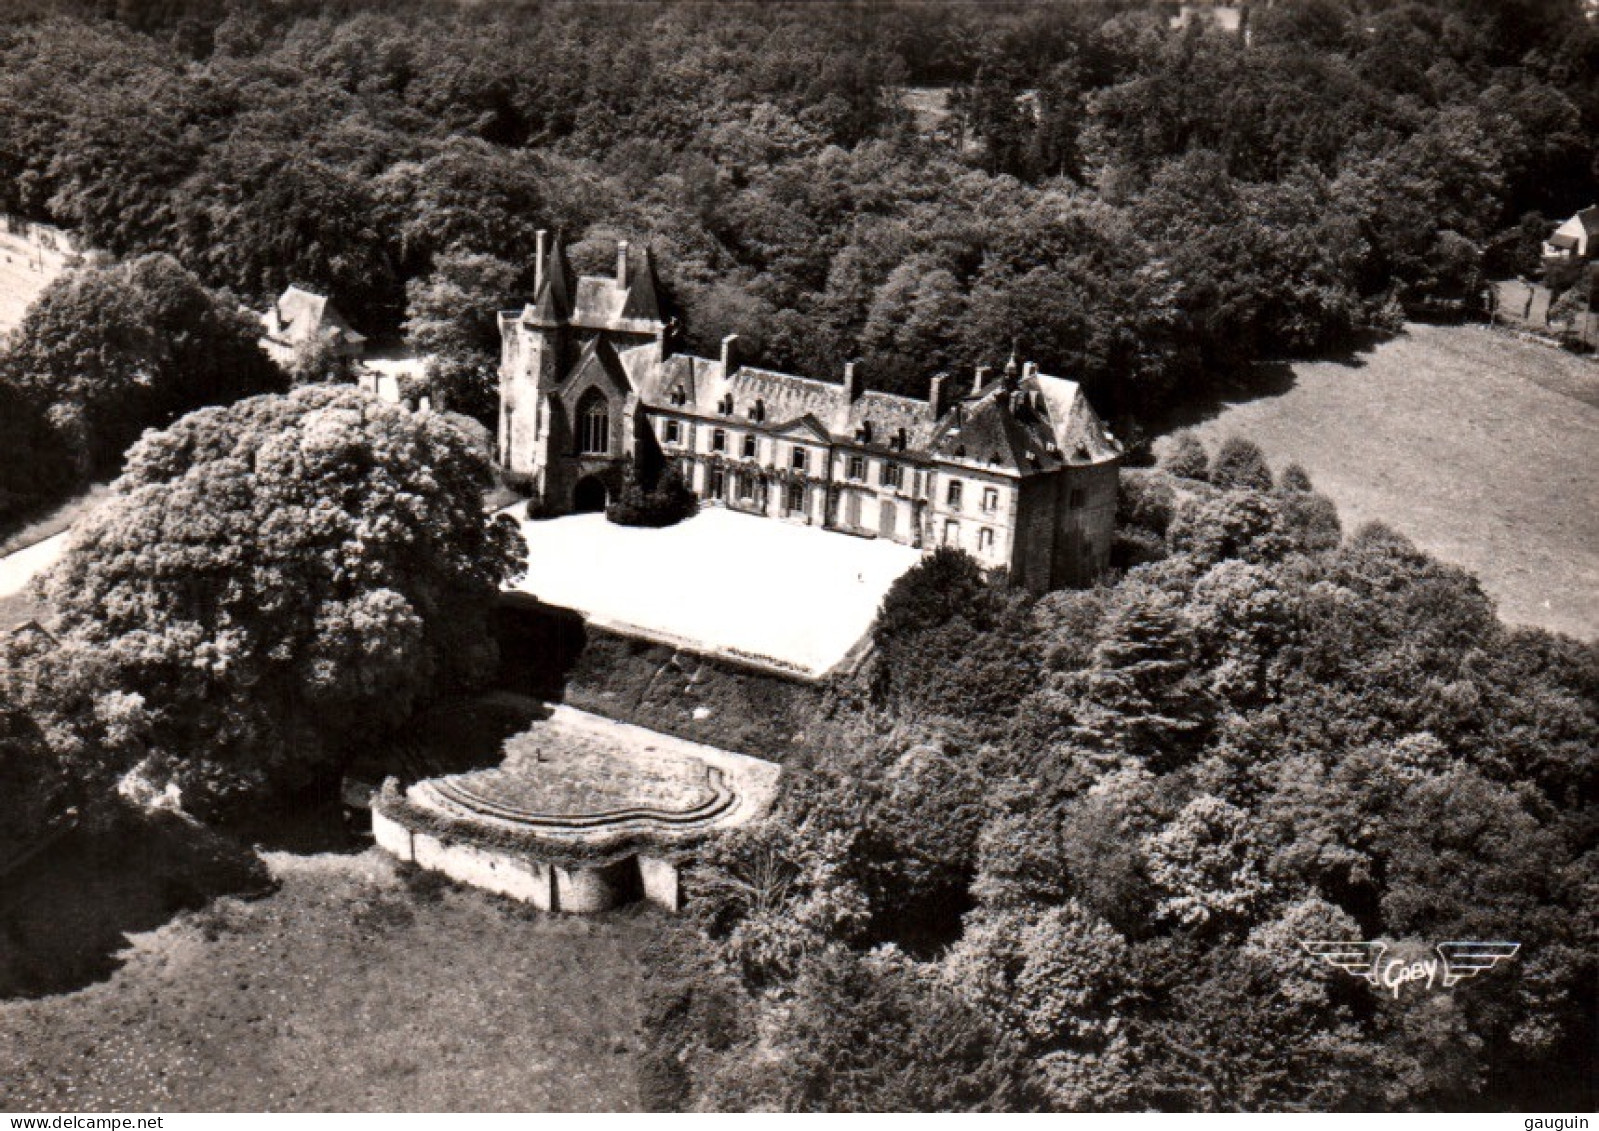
column 1016, row 469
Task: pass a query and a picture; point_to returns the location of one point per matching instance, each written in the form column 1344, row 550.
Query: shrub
column 1136, row 547
column 1247, row 525
column 519, row 481
column 1311, row 520
column 1240, row 463
column 669, row 502
column 1294, row 478
column 1146, row 502
column 1187, row 458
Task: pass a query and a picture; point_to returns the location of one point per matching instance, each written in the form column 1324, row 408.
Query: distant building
column 300, row 317
column 1016, row 469
column 1575, row 239
column 1228, row 17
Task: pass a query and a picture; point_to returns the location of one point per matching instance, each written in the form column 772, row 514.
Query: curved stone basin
column 583, row 814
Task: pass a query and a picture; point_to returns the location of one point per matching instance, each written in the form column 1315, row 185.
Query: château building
column 1015, row 468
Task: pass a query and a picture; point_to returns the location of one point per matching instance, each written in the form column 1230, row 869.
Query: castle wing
column 1357, row 958
column 1464, row 960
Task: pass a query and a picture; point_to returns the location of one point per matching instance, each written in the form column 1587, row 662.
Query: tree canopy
column 1142, row 208
column 1264, row 733
column 106, row 352
column 274, row 583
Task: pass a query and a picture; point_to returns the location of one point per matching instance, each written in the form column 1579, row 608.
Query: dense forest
column 1040, row 853
column 1143, row 209
column 1061, row 853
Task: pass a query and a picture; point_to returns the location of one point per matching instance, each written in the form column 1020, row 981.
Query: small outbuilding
column 299, row 318
column 1576, row 238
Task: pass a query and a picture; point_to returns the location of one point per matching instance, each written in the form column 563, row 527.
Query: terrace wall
column 551, row 653
column 548, row 887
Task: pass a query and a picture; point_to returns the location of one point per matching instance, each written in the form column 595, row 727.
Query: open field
column 1478, row 447
column 747, row 588
column 346, row 990
column 26, row 268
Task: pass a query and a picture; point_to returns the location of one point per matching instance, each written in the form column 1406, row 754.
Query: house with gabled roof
column 1016, row 469
column 1577, row 238
column 300, row 317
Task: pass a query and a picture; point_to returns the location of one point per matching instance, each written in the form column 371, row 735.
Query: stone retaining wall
column 548, row 887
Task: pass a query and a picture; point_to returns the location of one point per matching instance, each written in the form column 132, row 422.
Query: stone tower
column 536, row 352
column 568, row 411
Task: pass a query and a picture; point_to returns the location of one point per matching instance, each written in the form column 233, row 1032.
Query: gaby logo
column 1456, row 962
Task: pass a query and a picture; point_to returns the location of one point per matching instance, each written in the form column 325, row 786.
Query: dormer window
column 901, row 440
column 725, row 405
column 758, row 411
column 866, row 432
column 960, row 451
column 679, row 395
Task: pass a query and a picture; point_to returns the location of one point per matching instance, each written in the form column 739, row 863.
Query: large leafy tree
column 105, row 353
column 272, row 583
column 452, row 316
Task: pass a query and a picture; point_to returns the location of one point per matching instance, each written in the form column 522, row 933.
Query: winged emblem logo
column 1457, row 961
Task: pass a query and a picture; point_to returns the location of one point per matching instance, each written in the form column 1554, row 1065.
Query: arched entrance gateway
column 589, row 495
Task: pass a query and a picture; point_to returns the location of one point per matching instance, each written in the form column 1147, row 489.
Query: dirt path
column 1479, row 447
column 17, row 569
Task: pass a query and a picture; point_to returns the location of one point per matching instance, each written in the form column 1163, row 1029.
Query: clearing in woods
column 1477, row 446
column 26, row 268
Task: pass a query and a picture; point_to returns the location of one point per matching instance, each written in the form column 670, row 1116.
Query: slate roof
column 598, row 355
column 552, row 304
column 300, row 315
column 598, row 302
column 1040, row 424
column 887, row 414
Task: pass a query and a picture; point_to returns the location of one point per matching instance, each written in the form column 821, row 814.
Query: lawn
column 349, row 989
column 1478, row 447
column 791, row 598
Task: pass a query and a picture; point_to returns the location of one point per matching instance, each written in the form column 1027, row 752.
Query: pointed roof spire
column 643, row 288
column 553, row 303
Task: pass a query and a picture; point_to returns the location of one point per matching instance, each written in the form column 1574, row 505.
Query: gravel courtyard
column 723, row 583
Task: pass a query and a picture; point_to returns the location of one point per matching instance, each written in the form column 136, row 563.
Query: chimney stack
column 980, row 379
column 539, row 260
column 729, row 354
column 1029, row 369
column 937, row 397
column 660, row 343
column 852, row 382
column 621, row 263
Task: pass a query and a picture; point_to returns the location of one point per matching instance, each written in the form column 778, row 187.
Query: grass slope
column 347, row 990
column 1477, row 446
column 25, row 270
